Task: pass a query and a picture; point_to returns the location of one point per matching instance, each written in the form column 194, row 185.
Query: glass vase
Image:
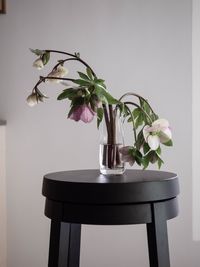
column 111, row 140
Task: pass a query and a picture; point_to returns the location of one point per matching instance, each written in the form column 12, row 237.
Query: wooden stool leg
column 157, row 237
column 64, row 246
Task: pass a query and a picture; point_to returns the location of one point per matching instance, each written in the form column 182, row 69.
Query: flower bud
column 38, row 64
column 32, row 100
column 59, row 72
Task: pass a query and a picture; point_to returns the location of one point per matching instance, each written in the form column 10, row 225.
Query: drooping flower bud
column 38, row 64
column 32, row 100
column 59, row 72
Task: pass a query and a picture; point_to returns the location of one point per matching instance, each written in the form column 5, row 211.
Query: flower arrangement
column 90, row 98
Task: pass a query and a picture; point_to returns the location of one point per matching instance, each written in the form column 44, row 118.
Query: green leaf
column 136, row 112
column 82, row 82
column 67, row 93
column 83, row 76
column 101, row 91
column 77, row 101
column 145, row 162
column 160, row 162
column 168, row 143
column 89, row 73
column 37, row 52
column 139, row 120
column 144, row 105
column 100, row 84
column 140, row 139
column 158, row 150
column 45, row 58
column 99, row 116
column 146, row 148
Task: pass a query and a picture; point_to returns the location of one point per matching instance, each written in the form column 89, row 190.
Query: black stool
column 86, row 197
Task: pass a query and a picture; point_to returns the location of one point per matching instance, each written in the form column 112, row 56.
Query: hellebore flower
column 158, row 132
column 126, row 156
column 38, row 64
column 59, row 72
column 83, row 113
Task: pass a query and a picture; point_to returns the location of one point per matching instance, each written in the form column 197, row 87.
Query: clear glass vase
column 111, row 140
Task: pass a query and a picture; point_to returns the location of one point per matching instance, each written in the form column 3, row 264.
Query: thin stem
column 133, row 94
column 134, row 130
column 75, row 57
column 42, row 79
column 107, row 121
column 111, row 124
column 136, row 105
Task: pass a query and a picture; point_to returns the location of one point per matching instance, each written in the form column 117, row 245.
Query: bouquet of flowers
column 89, row 99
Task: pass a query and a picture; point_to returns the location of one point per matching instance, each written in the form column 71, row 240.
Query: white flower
column 59, row 72
column 158, row 132
column 32, row 100
column 38, row 64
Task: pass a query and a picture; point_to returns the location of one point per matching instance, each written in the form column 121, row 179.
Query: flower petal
column 162, row 123
column 87, row 114
column 146, row 132
column 153, row 142
column 38, row 64
column 165, row 135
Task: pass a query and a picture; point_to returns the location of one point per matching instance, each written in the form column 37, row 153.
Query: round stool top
column 91, row 187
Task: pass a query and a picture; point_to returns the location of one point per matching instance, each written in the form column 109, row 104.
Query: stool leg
column 64, row 246
column 157, row 237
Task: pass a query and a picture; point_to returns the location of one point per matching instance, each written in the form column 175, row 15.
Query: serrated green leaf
column 83, row 82
column 83, row 76
column 89, row 73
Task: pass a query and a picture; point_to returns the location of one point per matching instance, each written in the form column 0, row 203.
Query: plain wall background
column 138, row 45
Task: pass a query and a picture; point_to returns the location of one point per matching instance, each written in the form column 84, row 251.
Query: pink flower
column 126, row 155
column 83, row 113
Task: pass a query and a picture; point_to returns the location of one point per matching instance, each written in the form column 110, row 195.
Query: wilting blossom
column 158, row 133
column 38, row 64
column 126, row 155
column 59, row 72
column 83, row 113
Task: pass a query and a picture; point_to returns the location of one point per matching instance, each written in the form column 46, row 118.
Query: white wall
column 137, row 45
column 3, row 217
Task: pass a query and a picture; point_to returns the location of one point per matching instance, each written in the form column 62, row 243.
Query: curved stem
column 133, row 94
column 42, row 79
column 75, row 58
column 136, row 105
column 134, row 130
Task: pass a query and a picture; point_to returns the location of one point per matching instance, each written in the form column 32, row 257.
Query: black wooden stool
column 86, row 197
